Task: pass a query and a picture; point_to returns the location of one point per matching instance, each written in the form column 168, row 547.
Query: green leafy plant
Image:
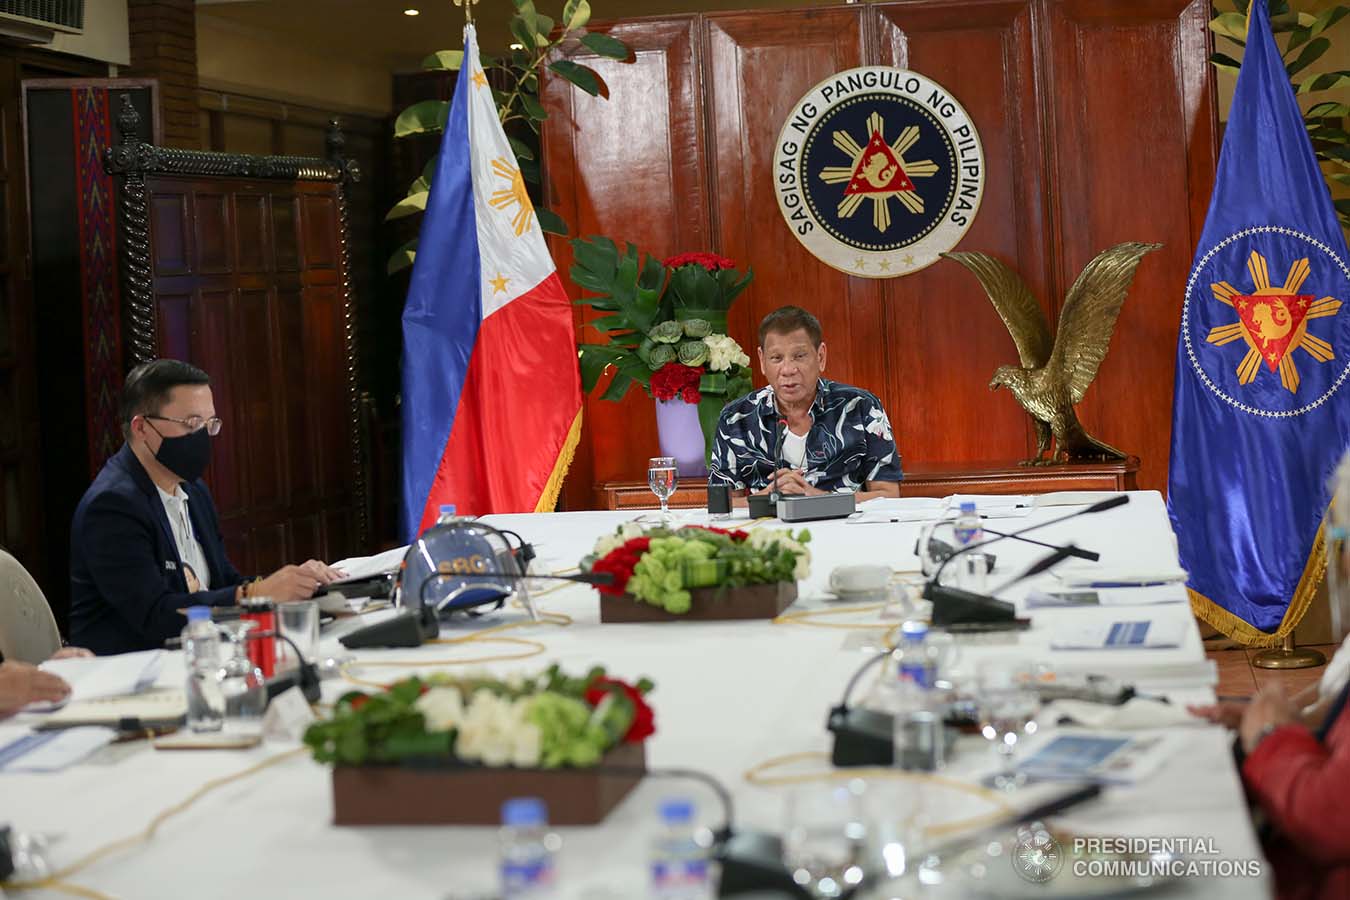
column 515, row 88
column 665, row 325
column 546, row 721
column 661, row 566
column 1305, row 41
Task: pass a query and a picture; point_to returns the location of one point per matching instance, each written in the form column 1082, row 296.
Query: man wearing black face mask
column 145, row 542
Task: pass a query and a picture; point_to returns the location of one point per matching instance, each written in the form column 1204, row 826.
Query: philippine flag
column 491, row 387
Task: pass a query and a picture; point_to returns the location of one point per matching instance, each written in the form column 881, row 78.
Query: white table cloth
column 729, row 696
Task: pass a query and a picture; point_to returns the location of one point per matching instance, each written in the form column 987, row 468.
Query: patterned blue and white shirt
column 849, row 443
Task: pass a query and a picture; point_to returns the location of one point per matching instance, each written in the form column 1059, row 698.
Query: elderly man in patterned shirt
column 838, row 437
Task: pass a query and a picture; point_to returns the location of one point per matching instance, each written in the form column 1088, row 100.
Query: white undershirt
column 180, row 523
column 794, row 449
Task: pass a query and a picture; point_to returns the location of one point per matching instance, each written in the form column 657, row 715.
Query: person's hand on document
column 22, row 684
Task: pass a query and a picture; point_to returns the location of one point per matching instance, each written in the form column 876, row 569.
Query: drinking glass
column 825, row 847
column 299, row 621
column 662, row 479
column 241, row 681
column 1008, row 703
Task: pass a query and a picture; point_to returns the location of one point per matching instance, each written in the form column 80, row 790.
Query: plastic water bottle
column 527, row 850
column 679, row 862
column 446, row 514
column 915, row 659
column 201, row 659
column 968, row 529
column 918, row 738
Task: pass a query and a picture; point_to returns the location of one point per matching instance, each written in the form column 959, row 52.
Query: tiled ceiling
column 378, row 31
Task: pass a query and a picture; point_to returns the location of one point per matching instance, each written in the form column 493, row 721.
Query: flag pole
column 1289, row 657
column 468, row 9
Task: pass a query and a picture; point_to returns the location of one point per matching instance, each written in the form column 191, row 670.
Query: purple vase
column 681, row 436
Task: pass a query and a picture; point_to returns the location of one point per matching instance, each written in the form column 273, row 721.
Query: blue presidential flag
column 1261, row 412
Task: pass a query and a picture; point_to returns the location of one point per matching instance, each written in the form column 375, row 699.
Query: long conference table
column 728, row 698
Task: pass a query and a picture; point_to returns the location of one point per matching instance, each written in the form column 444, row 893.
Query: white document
column 50, row 751
column 1123, row 634
column 1130, row 596
column 986, row 503
column 1109, row 757
column 366, row 566
column 1073, row 498
column 1094, row 576
column 105, row 676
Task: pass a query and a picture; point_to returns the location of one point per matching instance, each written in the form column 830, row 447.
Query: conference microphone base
column 800, row 508
column 953, row 606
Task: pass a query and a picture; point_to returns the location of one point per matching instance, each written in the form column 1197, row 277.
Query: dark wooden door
column 21, row 507
column 248, row 284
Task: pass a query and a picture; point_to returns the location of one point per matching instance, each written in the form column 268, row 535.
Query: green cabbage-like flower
column 693, row 353
column 697, row 328
column 660, row 355
column 667, row 332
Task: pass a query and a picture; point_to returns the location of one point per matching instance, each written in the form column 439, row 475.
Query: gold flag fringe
column 1244, row 632
column 549, row 498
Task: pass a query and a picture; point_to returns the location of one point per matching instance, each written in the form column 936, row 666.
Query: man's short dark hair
column 787, row 319
column 146, row 390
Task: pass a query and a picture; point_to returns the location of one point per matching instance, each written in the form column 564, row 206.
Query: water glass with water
column 299, row 621
column 662, row 479
column 1008, row 703
column 826, row 845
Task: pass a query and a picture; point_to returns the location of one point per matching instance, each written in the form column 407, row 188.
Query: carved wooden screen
column 1098, row 125
column 238, row 264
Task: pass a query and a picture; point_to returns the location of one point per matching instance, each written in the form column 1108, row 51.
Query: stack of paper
column 104, row 676
column 1138, row 634
column 25, row 750
column 1105, row 757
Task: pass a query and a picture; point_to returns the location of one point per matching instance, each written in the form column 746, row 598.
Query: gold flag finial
column 468, row 9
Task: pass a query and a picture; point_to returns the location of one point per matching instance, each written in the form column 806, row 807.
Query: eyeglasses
column 192, row 423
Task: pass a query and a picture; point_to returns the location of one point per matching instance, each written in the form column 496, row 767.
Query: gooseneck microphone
column 780, row 436
column 1079, row 552
column 954, row 606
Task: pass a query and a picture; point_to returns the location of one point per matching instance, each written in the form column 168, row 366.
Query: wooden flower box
column 715, row 604
column 473, row 795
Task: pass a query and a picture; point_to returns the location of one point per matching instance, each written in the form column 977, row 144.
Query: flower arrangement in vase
column 665, row 324
column 695, row 572
column 474, row 738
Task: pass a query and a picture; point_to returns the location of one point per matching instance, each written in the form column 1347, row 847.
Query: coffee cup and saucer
column 859, row 582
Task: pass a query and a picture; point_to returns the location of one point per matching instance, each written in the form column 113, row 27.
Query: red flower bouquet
column 677, row 380
column 710, row 261
column 643, row 723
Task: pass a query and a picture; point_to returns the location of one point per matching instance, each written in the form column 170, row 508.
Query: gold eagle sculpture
column 1055, row 374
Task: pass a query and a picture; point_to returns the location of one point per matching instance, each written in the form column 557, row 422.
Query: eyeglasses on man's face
column 192, row 423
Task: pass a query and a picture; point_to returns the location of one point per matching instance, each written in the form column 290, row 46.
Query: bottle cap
column 676, row 810
column 447, row 509
column 967, row 506
column 199, row 613
column 524, row 811
column 914, row 629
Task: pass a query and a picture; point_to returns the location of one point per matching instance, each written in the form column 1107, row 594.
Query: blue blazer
column 127, row 583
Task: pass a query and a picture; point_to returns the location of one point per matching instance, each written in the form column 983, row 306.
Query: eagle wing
column 1089, row 315
column 1016, row 305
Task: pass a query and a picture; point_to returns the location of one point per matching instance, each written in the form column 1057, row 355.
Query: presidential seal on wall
column 878, row 170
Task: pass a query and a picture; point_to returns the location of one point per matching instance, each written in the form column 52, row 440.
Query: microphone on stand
column 779, row 438
column 413, row 627
column 765, row 506
column 954, row 606
column 1079, row 552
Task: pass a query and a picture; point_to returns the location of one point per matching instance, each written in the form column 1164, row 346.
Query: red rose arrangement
column 710, row 261
column 677, row 380
column 644, row 721
column 620, row 563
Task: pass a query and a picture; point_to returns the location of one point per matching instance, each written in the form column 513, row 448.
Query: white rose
column 724, row 352
column 441, row 708
column 528, row 742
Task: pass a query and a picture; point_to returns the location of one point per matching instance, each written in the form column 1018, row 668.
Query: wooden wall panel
column 946, row 335
column 1098, row 126
column 630, row 167
column 1134, row 154
column 758, row 68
